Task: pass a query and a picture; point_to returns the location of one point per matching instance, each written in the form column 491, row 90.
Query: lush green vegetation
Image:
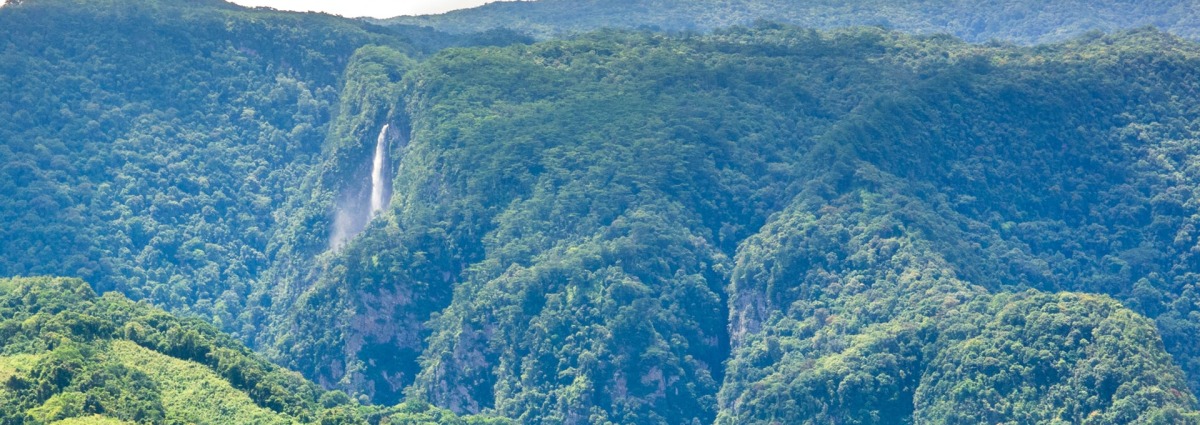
column 68, row 353
column 1023, row 21
column 70, row 356
column 756, row 225
column 882, row 328
column 587, row 281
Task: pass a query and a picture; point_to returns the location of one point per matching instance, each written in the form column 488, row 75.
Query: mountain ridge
column 1027, row 22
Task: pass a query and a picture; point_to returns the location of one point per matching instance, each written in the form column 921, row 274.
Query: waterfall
column 378, row 179
column 359, row 203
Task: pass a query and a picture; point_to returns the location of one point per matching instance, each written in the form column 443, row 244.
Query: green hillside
column 1024, row 21
column 72, row 357
column 71, row 354
column 757, row 224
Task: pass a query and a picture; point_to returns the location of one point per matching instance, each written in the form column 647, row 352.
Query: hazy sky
column 372, row 8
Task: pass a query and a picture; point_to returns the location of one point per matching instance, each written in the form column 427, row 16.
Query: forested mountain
column 600, row 205
column 149, row 145
column 1022, row 21
column 758, row 224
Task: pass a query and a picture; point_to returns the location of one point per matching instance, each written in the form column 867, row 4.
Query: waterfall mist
column 360, row 203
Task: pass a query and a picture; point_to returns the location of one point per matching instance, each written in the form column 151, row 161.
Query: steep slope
column 1064, row 175
column 591, row 203
column 845, row 313
column 154, row 147
column 590, row 143
column 1026, row 21
column 188, row 171
column 324, row 286
column 147, row 144
column 862, row 292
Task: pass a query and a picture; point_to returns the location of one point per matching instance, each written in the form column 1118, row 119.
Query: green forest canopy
column 761, row 224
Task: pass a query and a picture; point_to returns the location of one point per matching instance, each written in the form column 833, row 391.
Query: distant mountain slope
column 1024, row 21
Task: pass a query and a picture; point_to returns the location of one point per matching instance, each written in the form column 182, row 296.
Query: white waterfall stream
column 378, row 177
column 357, row 206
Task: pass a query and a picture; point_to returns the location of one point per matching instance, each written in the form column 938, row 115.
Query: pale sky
column 372, row 8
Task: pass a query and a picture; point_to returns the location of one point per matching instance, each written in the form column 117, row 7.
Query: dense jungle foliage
column 762, row 224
